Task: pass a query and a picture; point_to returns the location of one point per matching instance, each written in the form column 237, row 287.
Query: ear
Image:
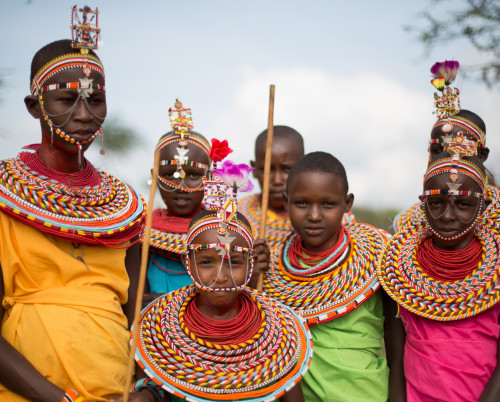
column 483, row 153
column 349, row 200
column 252, row 164
column 33, row 106
column 184, row 260
column 285, row 201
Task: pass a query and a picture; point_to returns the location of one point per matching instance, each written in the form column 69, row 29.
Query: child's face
column 284, row 154
column 79, row 118
column 451, row 217
column 436, row 149
column 316, row 202
column 178, row 202
column 211, row 269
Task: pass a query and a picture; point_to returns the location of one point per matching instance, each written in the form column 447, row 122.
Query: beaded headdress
column 181, row 122
column 448, row 105
column 85, row 36
column 221, row 188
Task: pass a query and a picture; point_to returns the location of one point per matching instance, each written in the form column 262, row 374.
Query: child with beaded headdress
column 443, row 275
column 68, row 249
column 453, row 123
column 287, row 147
column 184, row 160
column 218, row 339
column 326, row 272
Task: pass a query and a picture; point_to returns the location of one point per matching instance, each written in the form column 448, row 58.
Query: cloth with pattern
column 65, row 319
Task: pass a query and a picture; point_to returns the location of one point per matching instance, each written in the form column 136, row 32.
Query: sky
column 348, row 75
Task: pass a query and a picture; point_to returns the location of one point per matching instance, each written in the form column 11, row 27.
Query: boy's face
column 451, row 217
column 283, row 155
column 178, row 202
column 316, row 202
column 211, row 269
column 77, row 117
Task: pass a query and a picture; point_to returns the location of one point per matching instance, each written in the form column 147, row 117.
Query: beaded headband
column 456, row 166
column 462, row 123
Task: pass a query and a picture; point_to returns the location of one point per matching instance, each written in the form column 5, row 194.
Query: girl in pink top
column 444, row 277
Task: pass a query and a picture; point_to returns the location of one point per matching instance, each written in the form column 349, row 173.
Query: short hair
column 318, row 162
column 280, row 132
column 50, row 52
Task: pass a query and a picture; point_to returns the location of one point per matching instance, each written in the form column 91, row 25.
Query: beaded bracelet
column 72, row 395
column 149, row 385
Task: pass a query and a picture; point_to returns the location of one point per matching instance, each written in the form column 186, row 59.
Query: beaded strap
column 406, row 283
column 338, row 286
column 108, row 213
column 72, row 395
column 259, row 369
column 72, row 85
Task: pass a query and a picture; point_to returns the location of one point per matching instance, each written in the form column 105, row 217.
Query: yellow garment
column 67, row 320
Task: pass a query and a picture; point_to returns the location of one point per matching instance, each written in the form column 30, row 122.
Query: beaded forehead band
column 466, row 127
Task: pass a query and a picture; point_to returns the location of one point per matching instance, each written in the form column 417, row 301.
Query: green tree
column 118, row 138
column 476, row 21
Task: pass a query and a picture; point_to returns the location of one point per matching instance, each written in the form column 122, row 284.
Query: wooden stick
column 267, row 175
column 142, row 277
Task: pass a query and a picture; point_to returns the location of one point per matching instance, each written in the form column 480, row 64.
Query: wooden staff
column 142, row 277
column 267, row 175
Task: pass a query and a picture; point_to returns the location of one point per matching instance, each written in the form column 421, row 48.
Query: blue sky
column 347, row 74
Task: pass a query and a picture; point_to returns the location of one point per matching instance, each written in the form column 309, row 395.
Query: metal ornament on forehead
column 181, row 122
column 85, row 31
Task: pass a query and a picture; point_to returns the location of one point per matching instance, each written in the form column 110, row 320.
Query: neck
column 219, row 312
column 58, row 159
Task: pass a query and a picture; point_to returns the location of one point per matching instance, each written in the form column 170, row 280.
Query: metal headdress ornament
column 448, row 103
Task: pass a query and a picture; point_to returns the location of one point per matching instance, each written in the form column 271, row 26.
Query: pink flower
column 219, row 150
column 447, row 69
column 235, row 176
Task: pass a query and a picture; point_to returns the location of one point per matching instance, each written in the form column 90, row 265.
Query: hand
column 261, row 256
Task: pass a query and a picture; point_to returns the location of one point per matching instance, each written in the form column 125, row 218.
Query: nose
column 82, row 112
column 449, row 214
column 278, row 177
column 314, row 213
column 222, row 275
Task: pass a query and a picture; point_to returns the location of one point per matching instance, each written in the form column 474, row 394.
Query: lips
column 82, row 136
column 182, row 201
column 314, row 230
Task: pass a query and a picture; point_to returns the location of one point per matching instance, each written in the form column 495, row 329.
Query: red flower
column 219, row 150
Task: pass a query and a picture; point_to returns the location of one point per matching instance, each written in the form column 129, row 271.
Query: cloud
column 376, row 126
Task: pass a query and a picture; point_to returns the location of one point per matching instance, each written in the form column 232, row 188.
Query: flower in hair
column 446, row 70
column 236, row 176
column 219, row 150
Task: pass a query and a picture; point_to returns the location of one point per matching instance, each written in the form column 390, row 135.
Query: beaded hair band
column 451, row 192
column 455, row 167
column 462, row 123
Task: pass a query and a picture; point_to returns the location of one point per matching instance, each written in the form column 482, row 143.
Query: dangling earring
column 102, row 151
column 80, row 155
column 51, row 136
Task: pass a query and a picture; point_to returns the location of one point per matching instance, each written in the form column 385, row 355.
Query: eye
column 300, row 203
column 435, row 203
column 329, row 204
column 194, row 176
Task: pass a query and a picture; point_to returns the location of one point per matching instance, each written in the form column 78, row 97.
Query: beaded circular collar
column 104, row 214
column 406, row 283
column 168, row 233
column 260, row 369
column 414, row 216
column 343, row 282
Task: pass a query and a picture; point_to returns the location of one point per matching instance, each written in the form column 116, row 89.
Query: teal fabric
column 346, row 364
column 170, row 277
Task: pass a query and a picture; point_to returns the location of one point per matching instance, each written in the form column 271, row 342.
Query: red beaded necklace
column 299, row 257
column 88, row 176
column 228, row 332
column 449, row 265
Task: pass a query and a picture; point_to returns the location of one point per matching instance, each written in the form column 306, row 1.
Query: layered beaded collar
column 335, row 286
column 93, row 208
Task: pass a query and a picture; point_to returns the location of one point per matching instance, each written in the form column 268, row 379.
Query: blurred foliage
column 118, row 138
column 476, row 21
column 380, row 218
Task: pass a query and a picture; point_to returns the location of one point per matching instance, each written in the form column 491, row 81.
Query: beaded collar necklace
column 405, row 281
column 108, row 213
column 335, row 286
column 261, row 368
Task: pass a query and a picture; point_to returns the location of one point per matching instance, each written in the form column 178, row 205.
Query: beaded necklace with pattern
column 405, row 281
column 335, row 286
column 106, row 213
column 261, row 368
